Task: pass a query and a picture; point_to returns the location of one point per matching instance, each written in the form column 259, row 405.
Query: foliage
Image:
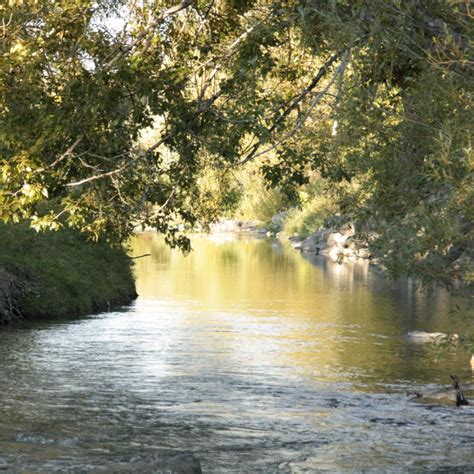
column 258, row 200
column 66, row 275
column 316, row 207
column 374, row 95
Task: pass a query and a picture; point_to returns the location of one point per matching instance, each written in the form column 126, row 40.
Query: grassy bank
column 55, row 275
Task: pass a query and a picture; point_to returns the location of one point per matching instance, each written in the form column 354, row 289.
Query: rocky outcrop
column 339, row 245
column 232, row 225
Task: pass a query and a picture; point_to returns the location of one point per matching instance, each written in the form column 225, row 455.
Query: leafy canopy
column 374, row 95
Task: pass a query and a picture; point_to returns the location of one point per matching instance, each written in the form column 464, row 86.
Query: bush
column 257, row 200
column 316, row 207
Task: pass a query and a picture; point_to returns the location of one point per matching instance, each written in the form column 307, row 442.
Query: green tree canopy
column 374, row 95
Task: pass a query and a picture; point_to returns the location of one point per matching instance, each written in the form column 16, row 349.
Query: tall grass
column 66, row 275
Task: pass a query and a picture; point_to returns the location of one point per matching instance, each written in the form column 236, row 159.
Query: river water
column 246, row 354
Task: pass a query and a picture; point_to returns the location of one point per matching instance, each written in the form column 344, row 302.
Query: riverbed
column 247, row 355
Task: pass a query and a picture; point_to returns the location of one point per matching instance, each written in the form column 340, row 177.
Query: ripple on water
column 273, row 364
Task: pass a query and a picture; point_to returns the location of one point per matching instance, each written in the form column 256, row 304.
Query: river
column 246, row 354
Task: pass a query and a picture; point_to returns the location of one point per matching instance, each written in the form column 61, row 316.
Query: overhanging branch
column 321, row 73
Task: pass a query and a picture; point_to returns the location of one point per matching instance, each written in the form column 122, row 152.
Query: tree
column 374, row 95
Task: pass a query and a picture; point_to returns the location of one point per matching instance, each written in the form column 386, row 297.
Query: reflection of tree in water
column 319, row 317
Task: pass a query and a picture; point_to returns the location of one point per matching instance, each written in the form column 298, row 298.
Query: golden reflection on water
column 259, row 301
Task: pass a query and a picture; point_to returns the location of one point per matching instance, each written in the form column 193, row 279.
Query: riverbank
column 338, row 244
column 58, row 275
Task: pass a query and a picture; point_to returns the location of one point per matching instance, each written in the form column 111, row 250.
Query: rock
column 421, row 336
column 169, row 462
column 336, row 238
column 339, row 245
column 441, row 396
column 249, row 226
column 177, row 464
column 348, row 252
column 336, row 254
column 3, row 464
column 347, row 230
column 225, row 225
column 323, row 248
column 363, row 253
column 350, row 243
column 445, row 395
column 310, row 244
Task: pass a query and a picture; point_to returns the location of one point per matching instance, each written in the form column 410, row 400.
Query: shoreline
column 59, row 275
column 341, row 245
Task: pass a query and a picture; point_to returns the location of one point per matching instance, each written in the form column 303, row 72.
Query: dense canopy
column 373, row 96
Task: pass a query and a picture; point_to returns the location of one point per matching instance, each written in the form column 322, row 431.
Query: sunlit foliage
column 374, row 95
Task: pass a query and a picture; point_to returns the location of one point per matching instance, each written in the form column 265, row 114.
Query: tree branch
column 159, row 19
column 66, row 153
column 321, row 73
column 99, row 176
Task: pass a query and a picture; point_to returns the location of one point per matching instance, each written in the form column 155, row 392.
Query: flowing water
column 246, row 354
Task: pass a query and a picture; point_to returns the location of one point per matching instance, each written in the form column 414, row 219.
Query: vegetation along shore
column 59, row 274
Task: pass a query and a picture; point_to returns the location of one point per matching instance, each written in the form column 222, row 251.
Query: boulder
column 336, row 238
column 348, row 252
column 363, row 252
column 336, row 254
column 310, row 244
column 347, row 229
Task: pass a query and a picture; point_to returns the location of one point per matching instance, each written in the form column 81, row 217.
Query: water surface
column 246, row 354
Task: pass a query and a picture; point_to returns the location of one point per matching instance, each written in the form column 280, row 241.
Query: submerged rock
column 165, row 462
column 310, row 244
column 449, row 395
column 422, row 336
column 178, row 464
